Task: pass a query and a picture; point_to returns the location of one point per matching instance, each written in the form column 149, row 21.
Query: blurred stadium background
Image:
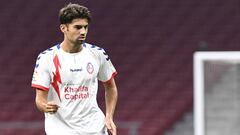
column 151, row 44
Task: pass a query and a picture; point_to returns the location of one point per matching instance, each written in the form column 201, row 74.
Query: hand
column 51, row 107
column 111, row 126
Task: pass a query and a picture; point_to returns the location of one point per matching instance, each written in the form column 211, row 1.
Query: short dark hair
column 73, row 11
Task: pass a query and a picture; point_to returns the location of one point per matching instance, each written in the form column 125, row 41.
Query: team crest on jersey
column 90, row 68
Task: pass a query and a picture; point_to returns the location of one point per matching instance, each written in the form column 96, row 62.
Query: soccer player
column 66, row 80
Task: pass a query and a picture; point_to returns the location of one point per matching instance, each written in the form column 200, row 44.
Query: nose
column 83, row 31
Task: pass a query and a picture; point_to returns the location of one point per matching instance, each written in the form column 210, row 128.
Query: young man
column 66, row 80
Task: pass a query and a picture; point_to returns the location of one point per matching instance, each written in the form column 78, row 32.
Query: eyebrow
column 81, row 25
column 77, row 26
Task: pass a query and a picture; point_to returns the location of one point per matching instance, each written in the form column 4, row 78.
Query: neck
column 71, row 48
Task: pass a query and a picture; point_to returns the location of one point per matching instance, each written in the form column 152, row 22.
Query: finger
column 51, row 107
column 113, row 130
column 52, row 104
column 54, row 107
column 52, row 111
column 108, row 126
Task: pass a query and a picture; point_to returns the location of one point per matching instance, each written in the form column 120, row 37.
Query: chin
column 80, row 41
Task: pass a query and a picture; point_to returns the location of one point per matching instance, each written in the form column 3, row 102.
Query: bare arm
column 111, row 95
column 42, row 104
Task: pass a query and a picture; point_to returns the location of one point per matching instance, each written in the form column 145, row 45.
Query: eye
column 86, row 26
column 78, row 27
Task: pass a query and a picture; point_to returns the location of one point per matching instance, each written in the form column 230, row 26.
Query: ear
column 63, row 28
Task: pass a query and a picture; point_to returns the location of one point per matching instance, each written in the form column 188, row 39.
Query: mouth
column 81, row 38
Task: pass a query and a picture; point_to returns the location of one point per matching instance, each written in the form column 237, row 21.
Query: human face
column 76, row 31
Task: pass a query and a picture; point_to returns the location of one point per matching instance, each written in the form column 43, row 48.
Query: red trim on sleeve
column 113, row 75
column 39, row 87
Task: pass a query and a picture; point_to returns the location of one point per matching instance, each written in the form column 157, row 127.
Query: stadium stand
column 150, row 42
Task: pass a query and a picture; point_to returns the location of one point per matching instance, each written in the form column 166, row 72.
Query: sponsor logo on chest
column 75, row 70
column 89, row 68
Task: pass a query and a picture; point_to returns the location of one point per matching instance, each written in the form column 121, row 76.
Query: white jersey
column 71, row 80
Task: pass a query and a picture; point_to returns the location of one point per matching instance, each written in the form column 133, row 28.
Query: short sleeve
column 106, row 70
column 41, row 75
